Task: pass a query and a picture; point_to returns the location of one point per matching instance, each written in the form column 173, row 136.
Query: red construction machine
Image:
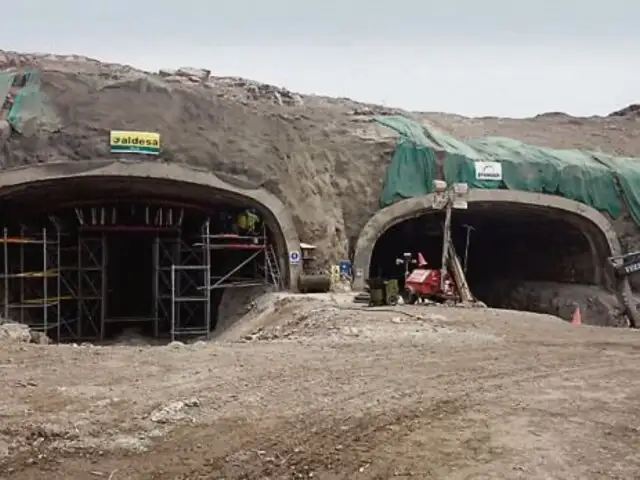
column 424, row 283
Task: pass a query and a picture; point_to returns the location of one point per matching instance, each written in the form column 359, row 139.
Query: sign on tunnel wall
column 488, row 170
column 134, row 142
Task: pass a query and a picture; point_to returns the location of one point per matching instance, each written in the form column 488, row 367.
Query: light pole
column 469, row 229
column 449, row 197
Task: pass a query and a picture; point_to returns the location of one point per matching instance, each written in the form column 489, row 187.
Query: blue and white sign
column 294, row 257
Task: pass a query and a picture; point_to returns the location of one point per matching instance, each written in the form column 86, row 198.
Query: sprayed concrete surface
column 319, row 387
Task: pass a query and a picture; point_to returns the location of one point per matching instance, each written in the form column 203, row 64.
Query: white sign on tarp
column 488, row 170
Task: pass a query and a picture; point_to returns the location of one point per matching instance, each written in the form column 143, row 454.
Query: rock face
column 323, row 157
column 630, row 111
column 597, row 306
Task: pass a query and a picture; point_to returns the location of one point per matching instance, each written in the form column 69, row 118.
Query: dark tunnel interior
column 500, row 246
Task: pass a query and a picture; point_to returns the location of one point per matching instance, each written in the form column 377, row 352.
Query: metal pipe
column 103, row 286
column 22, row 268
column 156, row 285
column 469, row 229
column 242, row 264
column 58, row 280
column 207, row 280
column 173, row 302
column 45, row 280
column 6, row 273
column 79, row 297
column 446, row 238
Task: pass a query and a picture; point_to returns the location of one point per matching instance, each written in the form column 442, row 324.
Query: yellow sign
column 134, row 142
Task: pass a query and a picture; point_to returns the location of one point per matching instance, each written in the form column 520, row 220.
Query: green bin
column 383, row 292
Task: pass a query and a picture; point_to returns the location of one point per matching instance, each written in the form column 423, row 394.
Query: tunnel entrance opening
column 93, row 264
column 129, row 290
column 510, row 247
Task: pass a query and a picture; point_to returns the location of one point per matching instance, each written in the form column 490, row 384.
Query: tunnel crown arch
column 65, row 194
column 602, row 238
column 182, row 176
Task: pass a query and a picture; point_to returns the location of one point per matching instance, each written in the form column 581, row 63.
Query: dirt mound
column 322, row 156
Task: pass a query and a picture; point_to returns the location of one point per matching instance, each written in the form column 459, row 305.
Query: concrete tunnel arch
column 275, row 213
column 597, row 229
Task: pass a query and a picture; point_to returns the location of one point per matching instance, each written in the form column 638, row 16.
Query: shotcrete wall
column 201, row 184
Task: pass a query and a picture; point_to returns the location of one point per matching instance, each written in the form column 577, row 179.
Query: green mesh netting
column 6, row 80
column 30, row 111
column 601, row 181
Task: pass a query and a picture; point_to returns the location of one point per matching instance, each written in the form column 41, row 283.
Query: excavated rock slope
column 322, row 156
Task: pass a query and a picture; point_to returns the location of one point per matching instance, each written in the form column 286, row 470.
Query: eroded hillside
column 322, row 156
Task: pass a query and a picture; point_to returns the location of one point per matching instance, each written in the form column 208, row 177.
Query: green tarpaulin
column 6, row 81
column 27, row 105
column 598, row 180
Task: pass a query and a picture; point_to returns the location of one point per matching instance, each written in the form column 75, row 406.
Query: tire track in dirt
column 322, row 429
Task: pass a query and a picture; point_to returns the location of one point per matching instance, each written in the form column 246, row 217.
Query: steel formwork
column 57, row 281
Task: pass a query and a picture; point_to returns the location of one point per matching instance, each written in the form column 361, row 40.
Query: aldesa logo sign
column 134, row 142
column 488, row 170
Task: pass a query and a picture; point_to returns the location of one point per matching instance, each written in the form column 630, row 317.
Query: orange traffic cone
column 577, row 318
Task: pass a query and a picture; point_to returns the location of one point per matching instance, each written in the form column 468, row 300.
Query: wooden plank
column 35, row 301
column 35, row 274
column 20, row 240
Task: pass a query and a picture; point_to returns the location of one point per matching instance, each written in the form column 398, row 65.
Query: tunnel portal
column 85, row 259
column 501, row 246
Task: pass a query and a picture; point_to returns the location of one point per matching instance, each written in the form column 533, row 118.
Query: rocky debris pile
column 12, row 332
column 632, row 111
column 174, row 412
column 11, row 60
column 238, row 89
column 597, row 306
column 244, row 90
column 374, row 110
column 185, row 75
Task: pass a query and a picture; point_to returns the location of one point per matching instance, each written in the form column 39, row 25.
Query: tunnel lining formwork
column 177, row 261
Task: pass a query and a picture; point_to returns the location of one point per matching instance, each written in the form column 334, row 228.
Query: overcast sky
column 473, row 57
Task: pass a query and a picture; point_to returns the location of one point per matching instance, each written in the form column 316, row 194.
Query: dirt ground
column 319, row 387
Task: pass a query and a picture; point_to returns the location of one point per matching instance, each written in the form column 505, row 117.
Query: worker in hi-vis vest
column 247, row 222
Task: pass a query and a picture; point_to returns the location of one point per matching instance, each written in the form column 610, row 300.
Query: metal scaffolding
column 51, row 285
column 57, row 282
column 31, row 279
column 185, row 276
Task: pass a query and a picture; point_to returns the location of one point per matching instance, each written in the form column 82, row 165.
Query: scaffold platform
column 55, row 278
